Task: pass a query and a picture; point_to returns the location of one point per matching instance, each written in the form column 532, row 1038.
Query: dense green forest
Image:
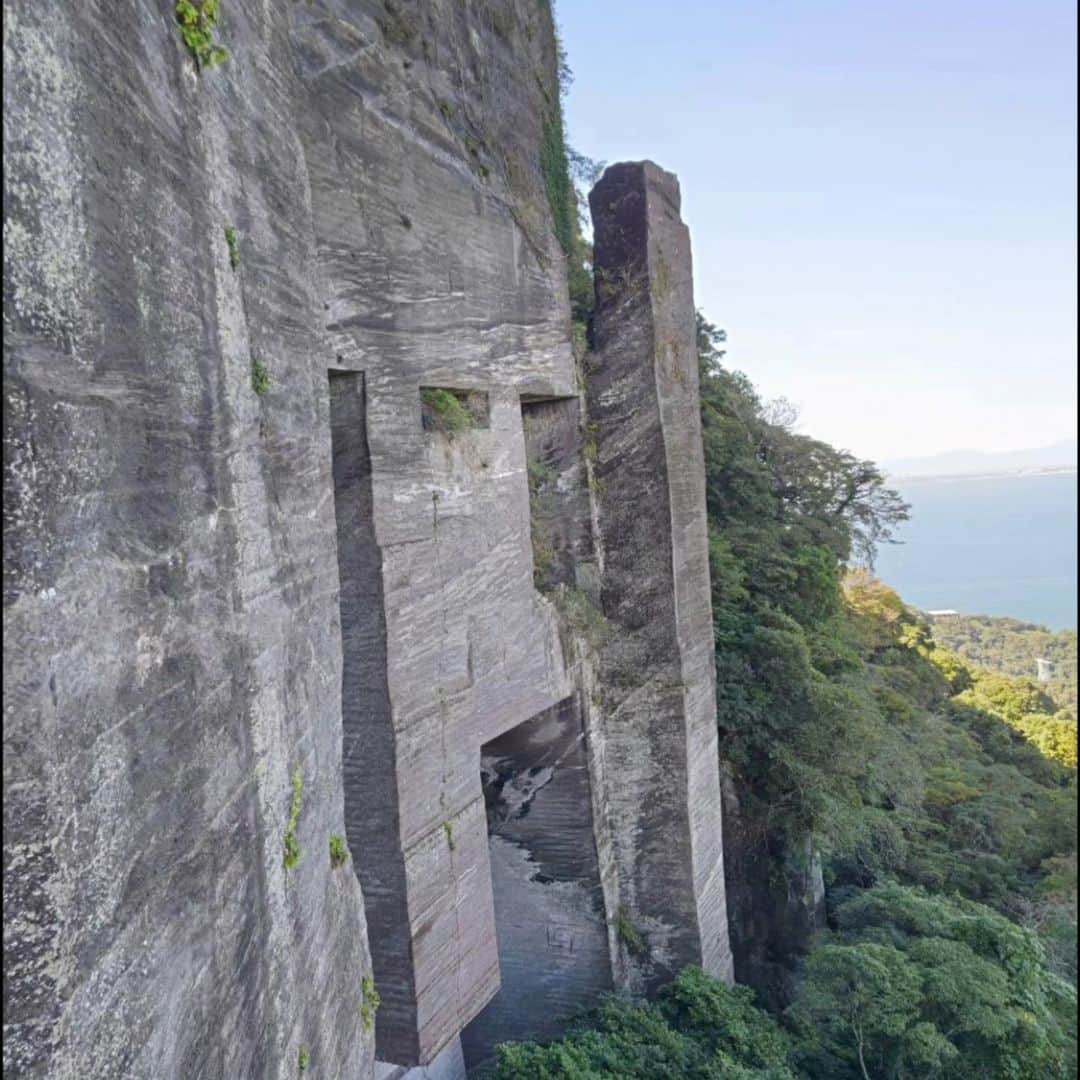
column 940, row 798
column 1011, row 647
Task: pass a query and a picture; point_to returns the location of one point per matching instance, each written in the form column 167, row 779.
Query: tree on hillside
column 830, row 496
column 913, row 985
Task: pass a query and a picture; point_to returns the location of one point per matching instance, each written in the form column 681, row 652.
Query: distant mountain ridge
column 981, row 462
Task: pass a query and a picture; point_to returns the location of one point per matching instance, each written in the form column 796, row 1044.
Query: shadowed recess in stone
column 372, row 821
column 559, row 513
column 549, row 910
column 443, row 409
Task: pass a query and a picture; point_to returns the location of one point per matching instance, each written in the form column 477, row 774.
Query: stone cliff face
column 293, row 431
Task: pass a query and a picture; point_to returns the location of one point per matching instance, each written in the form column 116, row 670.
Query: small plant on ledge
column 451, row 411
column 339, row 852
column 234, row 250
column 260, row 377
column 582, row 616
column 629, row 934
column 292, row 845
column 198, row 21
column 369, row 1002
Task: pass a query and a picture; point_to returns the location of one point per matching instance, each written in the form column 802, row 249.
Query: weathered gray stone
column 440, row 269
column 210, row 591
column 171, row 574
column 170, row 654
column 657, row 674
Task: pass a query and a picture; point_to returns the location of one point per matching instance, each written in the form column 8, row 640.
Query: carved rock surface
column 251, row 602
column 173, row 648
column 657, row 673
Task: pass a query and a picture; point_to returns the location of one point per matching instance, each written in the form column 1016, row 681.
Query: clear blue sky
column 881, row 196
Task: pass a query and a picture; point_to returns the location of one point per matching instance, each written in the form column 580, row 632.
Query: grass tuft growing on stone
column 582, row 616
column 447, row 412
column 339, row 851
column 590, row 447
column 452, row 411
column 234, row 249
column 260, row 377
column 369, row 1002
column 303, row 1059
column 629, row 934
column 448, row 828
column 292, row 845
column 538, row 473
column 395, row 25
column 198, row 22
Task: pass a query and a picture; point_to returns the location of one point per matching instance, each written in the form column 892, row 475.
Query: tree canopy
column 939, row 796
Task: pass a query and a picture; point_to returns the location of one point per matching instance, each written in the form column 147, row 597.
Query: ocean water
column 1002, row 545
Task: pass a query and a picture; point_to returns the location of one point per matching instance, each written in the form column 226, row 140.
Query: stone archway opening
column 549, row 909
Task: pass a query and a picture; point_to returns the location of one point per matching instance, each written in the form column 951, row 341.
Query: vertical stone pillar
column 657, row 672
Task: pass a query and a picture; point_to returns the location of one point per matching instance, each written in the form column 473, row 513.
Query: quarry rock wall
column 283, row 338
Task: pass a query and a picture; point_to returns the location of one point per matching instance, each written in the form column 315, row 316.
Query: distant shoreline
column 1001, row 474
column 945, row 615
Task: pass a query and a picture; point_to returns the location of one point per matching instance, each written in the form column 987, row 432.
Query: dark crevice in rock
column 560, row 516
column 369, row 759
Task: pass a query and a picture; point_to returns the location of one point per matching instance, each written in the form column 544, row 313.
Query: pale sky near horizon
column 881, row 197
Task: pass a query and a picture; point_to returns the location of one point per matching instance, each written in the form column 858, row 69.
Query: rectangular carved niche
column 549, row 909
column 369, row 759
column 449, row 411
